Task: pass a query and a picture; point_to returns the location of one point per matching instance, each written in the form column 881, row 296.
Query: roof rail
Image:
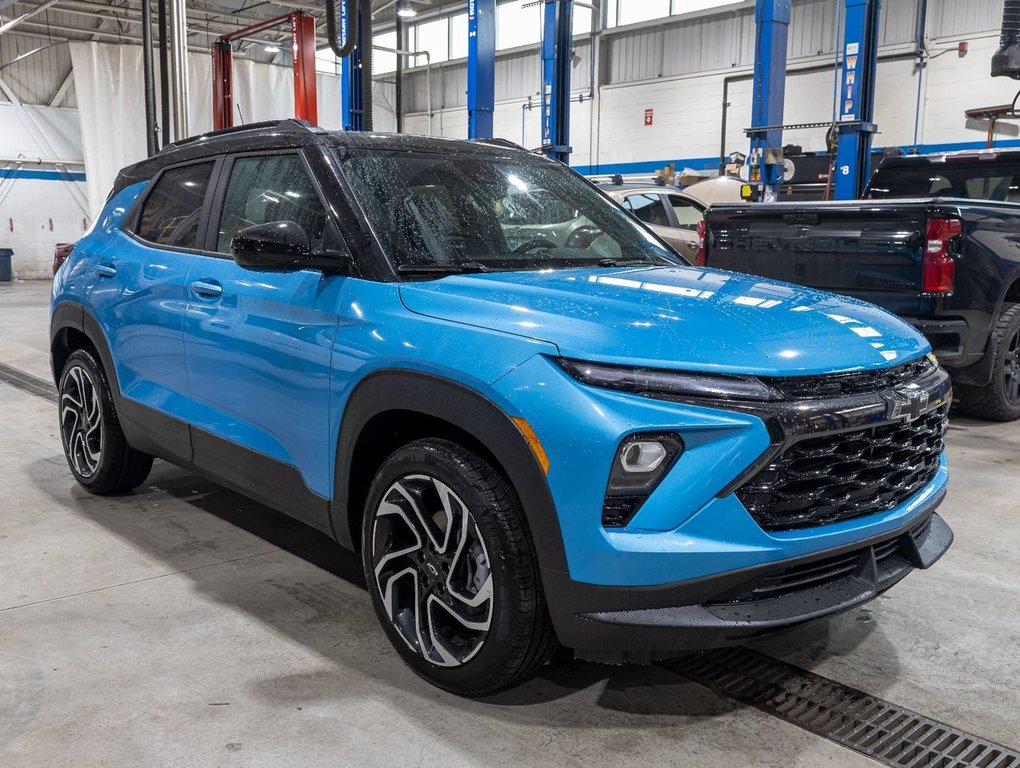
column 496, row 142
column 290, row 125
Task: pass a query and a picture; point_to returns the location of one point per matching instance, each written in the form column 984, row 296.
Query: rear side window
column 990, row 179
column 647, row 208
column 174, row 207
column 270, row 188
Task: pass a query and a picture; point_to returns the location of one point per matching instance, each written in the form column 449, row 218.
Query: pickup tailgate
column 868, row 250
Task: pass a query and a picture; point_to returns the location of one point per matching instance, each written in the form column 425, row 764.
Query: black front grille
column 842, row 475
column 818, row 573
column 844, row 384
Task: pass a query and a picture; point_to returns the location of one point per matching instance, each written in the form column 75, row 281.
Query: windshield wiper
column 626, row 263
column 441, row 269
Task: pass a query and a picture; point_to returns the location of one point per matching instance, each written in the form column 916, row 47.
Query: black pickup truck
column 936, row 241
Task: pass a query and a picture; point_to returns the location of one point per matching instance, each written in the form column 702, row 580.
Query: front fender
column 471, row 411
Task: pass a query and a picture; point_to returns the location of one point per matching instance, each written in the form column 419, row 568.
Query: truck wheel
column 452, row 572
column 99, row 457
column 999, row 400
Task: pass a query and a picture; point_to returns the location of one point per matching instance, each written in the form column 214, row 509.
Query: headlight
column 656, row 381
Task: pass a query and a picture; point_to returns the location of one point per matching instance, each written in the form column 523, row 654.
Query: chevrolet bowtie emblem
column 908, row 402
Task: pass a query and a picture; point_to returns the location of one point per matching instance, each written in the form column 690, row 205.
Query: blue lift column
column 772, row 23
column 857, row 98
column 481, row 67
column 350, row 81
column 557, row 50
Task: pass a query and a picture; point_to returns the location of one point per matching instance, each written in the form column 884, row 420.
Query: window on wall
column 326, row 61
column 622, row 12
column 689, row 6
column 434, row 37
column 517, row 25
column 633, row 11
column 582, row 20
column 459, row 36
column 381, row 60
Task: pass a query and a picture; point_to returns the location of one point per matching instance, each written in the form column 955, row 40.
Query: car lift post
column 305, row 99
column 352, row 112
column 481, row 67
column 772, row 24
column 857, row 98
column 557, row 50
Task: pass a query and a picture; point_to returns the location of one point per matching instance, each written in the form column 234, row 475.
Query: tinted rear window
column 174, row 207
column 976, row 179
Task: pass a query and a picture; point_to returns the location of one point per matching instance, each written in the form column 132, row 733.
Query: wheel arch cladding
column 67, row 333
column 1012, row 295
column 391, row 408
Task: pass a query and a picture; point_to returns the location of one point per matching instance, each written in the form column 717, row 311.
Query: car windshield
column 989, row 179
column 436, row 213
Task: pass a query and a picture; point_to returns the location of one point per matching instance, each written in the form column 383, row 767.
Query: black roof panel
column 298, row 133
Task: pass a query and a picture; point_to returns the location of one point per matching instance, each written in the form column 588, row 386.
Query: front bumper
column 643, row 623
column 690, row 569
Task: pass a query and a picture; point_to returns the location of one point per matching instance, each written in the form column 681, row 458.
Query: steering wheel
column 583, row 236
column 536, row 242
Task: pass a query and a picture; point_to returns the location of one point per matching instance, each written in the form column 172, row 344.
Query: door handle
column 207, row 289
column 104, row 270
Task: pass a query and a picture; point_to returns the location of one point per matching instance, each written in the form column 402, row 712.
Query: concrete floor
column 183, row 625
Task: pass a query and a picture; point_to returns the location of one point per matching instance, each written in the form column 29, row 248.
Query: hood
column 685, row 318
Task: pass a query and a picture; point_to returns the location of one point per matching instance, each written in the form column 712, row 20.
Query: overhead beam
column 26, row 16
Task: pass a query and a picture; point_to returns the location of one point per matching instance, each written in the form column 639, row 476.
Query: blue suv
column 537, row 423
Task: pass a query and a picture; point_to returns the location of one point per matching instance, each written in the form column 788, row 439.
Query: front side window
column 687, row 214
column 647, row 208
column 270, row 188
column 447, row 211
column 173, row 209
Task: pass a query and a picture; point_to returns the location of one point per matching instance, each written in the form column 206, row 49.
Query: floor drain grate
column 879, row 729
column 28, row 383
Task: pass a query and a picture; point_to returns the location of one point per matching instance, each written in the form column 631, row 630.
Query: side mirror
column 275, row 245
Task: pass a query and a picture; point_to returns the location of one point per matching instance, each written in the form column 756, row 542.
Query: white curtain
column 109, row 86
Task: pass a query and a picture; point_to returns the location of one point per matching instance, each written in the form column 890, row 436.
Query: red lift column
column 305, row 96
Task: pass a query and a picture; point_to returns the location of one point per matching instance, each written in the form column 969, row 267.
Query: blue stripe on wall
column 603, row 169
column 712, row 163
column 8, row 173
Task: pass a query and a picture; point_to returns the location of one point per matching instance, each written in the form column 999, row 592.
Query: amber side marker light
column 536, row 447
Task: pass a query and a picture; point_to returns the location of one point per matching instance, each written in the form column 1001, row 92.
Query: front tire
column 98, row 455
column 451, row 569
column 999, row 400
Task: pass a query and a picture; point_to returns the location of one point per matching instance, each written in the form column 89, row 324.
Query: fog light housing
column 640, row 463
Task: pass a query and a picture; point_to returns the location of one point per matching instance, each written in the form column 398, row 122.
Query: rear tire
column 98, row 455
column 999, row 400
column 452, row 571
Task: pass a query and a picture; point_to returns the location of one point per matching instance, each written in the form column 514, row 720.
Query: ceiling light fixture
column 272, row 49
column 406, row 11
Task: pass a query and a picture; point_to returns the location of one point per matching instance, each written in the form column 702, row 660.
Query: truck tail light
column 939, row 272
column 699, row 257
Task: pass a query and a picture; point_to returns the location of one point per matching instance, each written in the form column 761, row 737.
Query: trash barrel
column 6, row 272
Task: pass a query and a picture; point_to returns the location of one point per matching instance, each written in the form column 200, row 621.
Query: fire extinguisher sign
column 649, row 116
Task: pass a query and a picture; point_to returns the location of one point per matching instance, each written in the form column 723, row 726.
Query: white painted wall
column 38, row 213
column 607, row 134
column 688, row 110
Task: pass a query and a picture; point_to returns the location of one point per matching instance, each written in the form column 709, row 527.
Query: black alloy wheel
column 452, row 571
